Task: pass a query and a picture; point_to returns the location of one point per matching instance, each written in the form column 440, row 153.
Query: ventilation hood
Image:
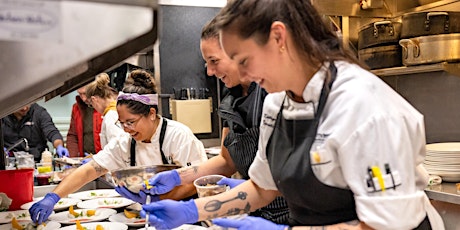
column 50, row 48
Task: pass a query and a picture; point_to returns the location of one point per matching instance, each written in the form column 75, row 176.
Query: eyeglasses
column 128, row 124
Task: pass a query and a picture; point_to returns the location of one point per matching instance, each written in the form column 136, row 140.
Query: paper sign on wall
column 25, row 20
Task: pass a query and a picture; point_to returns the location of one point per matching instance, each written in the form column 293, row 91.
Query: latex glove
column 164, row 182
column 40, row 211
column 248, row 223
column 169, row 214
column 138, row 197
column 62, row 152
column 230, row 182
column 86, row 160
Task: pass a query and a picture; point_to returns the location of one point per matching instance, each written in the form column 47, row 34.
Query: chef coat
column 180, row 144
column 109, row 129
column 364, row 124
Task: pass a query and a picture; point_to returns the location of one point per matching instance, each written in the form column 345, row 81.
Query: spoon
column 147, row 201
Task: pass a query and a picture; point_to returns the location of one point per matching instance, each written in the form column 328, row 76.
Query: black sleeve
column 47, row 126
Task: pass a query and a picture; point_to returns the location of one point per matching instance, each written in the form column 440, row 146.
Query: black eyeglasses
column 128, row 124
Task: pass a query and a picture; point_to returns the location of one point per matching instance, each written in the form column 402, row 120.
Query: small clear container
column 25, row 161
column 207, row 185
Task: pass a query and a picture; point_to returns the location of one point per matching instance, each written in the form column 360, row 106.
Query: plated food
column 93, row 194
column 114, row 202
column 98, row 226
column 29, row 225
column 130, row 220
column 19, row 215
column 62, row 204
column 82, row 215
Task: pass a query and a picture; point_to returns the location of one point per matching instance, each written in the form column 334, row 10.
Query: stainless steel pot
column 418, row 24
column 379, row 33
column 381, row 56
column 430, row 49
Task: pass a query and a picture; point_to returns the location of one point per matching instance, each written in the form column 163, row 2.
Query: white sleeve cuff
column 407, row 214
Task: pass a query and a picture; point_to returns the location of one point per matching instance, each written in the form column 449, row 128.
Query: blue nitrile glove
column 138, row 197
column 40, row 211
column 164, row 182
column 86, row 160
column 169, row 214
column 61, row 151
column 230, row 182
column 248, row 223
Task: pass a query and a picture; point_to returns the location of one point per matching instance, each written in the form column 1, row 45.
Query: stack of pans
column 378, row 44
column 430, row 37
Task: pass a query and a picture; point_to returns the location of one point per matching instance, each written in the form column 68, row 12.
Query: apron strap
column 133, row 152
column 327, row 88
column 162, row 137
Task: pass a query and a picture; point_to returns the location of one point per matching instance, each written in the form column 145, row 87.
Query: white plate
column 64, row 218
column 50, row 225
column 105, row 203
column 93, row 194
column 182, row 227
column 20, row 215
column 444, row 147
column 105, row 225
column 62, row 204
column 132, row 222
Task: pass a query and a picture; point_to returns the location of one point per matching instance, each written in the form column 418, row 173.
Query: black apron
column 242, row 115
column 162, row 137
column 288, row 152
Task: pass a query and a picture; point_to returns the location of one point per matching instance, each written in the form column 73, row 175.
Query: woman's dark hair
column 315, row 40
column 100, row 87
column 141, row 82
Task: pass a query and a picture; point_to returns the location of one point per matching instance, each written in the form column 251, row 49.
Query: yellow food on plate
column 130, row 215
column 91, row 212
column 99, row 227
column 78, row 225
column 72, row 212
column 15, row 224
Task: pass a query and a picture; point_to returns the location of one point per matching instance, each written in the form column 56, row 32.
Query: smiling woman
column 149, row 140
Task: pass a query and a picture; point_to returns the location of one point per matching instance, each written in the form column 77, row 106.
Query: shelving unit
column 452, row 68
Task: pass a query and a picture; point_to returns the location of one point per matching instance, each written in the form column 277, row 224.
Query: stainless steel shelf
column 446, row 192
column 453, row 68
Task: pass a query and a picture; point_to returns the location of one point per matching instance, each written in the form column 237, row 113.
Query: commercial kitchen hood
column 83, row 38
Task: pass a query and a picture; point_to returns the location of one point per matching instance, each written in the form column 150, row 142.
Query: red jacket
column 74, row 142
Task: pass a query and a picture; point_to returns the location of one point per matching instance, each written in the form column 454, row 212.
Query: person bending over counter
column 137, row 107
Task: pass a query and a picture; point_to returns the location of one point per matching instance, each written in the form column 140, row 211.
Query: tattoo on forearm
column 215, row 205
column 97, row 167
column 237, row 211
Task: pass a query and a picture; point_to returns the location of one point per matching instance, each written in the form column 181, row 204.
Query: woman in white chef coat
column 340, row 145
column 137, row 107
column 103, row 99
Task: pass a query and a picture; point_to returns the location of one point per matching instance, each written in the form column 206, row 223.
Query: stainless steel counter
column 40, row 191
column 446, row 192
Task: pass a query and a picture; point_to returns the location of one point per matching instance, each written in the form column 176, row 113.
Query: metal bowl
column 133, row 177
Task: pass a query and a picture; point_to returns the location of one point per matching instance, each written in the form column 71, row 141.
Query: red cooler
column 18, row 186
